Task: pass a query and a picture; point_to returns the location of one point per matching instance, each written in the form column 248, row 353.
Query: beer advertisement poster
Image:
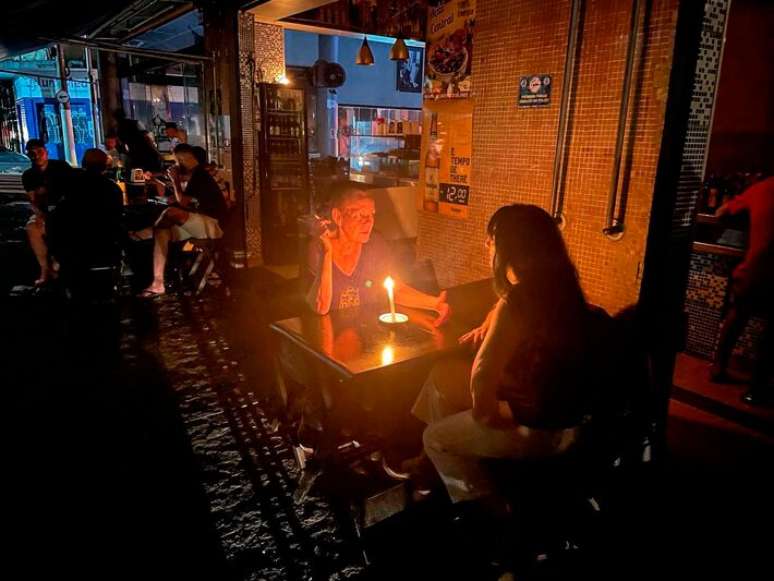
column 447, row 147
column 449, row 51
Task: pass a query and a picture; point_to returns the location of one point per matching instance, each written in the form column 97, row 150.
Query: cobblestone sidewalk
column 249, row 472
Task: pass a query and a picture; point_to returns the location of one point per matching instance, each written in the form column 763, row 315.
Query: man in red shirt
column 752, row 288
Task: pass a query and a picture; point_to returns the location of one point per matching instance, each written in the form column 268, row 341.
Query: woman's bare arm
column 496, row 351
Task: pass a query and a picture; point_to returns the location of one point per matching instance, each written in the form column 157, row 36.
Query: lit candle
column 389, row 284
column 388, row 355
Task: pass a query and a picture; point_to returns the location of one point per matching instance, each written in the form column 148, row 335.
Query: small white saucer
column 387, row 319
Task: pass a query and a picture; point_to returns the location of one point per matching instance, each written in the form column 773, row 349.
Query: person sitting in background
column 219, row 175
column 212, row 168
column 752, row 290
column 528, row 388
column 199, row 212
column 111, row 148
column 141, row 153
column 348, row 265
column 175, row 134
column 46, row 182
column 86, row 224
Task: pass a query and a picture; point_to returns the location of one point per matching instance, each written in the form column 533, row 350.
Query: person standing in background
column 752, row 290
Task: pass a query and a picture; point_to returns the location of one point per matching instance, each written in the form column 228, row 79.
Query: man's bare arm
column 320, row 294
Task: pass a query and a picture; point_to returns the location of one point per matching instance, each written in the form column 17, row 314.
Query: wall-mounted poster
column 535, row 91
column 447, row 147
column 449, row 51
column 410, row 72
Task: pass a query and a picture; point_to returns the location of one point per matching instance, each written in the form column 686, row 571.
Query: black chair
column 92, row 275
column 559, row 503
column 192, row 261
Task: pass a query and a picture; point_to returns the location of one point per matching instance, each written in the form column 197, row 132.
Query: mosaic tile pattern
column 513, row 149
column 700, row 117
column 706, row 302
column 263, row 48
column 249, row 150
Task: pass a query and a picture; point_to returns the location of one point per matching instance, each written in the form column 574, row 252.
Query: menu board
column 447, row 145
column 449, row 50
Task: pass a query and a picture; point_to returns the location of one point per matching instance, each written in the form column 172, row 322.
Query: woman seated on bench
column 528, row 389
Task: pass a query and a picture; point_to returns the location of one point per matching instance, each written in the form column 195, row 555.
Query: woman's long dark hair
column 527, row 241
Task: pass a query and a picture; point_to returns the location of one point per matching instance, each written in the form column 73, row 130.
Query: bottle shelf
column 283, row 112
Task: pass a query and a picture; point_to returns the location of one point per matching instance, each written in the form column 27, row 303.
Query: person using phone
column 348, row 263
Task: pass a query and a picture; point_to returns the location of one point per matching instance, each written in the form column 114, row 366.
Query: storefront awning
column 35, row 23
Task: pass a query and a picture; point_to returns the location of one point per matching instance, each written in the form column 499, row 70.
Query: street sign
column 62, row 96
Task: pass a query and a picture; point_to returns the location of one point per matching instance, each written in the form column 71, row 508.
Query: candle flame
column 388, row 355
column 389, row 284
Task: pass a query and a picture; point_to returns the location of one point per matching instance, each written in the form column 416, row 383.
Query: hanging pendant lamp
column 364, row 56
column 399, row 51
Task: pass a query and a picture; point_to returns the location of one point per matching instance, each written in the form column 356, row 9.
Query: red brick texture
column 513, row 149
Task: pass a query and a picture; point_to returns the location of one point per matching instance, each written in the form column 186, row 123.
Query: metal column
column 63, row 96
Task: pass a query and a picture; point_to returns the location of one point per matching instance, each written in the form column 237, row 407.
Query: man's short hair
column 343, row 192
column 170, row 125
column 184, row 148
column 94, row 160
column 34, row 143
column 200, row 154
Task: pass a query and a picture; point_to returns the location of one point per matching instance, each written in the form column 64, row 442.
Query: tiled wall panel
column 262, row 59
column 513, row 149
column 706, row 302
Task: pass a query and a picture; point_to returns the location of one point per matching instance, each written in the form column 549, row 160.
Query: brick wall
column 513, row 149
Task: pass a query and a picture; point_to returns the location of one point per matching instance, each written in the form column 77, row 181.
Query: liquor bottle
column 432, row 164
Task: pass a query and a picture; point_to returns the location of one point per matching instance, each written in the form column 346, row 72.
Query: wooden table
column 350, row 352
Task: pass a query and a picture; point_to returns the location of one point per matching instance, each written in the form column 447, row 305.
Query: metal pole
column 95, row 108
column 68, row 135
column 204, row 103
column 557, row 193
column 117, row 48
column 614, row 225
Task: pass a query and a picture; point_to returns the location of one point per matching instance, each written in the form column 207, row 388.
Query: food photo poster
column 449, row 51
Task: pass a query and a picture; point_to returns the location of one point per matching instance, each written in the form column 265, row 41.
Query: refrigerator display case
column 284, row 171
column 381, row 144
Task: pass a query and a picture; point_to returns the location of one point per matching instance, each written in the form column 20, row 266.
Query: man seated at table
column 86, row 224
column 199, row 212
column 45, row 182
column 349, row 263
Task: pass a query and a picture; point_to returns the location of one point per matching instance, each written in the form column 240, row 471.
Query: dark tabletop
column 353, row 342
